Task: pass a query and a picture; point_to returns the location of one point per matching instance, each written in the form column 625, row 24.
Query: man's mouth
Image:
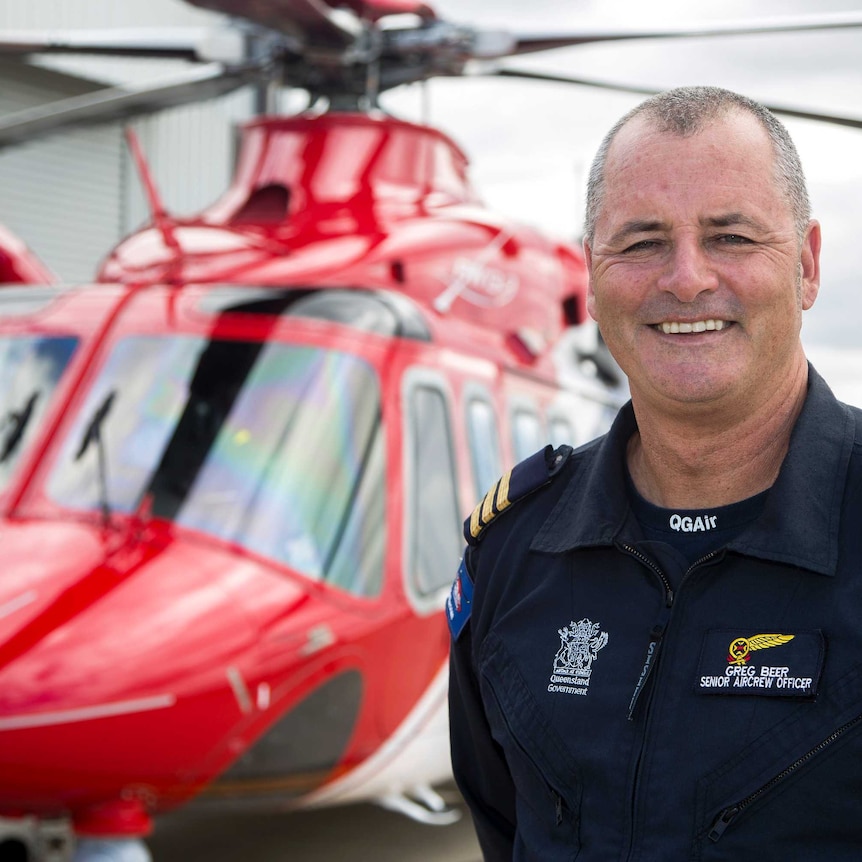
column 674, row 327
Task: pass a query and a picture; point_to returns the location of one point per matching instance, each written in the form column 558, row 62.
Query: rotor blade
column 835, row 119
column 314, row 22
column 376, row 9
column 203, row 82
column 224, row 45
column 829, row 21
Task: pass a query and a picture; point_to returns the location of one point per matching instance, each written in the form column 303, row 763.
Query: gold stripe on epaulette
column 492, row 504
column 503, row 500
column 488, row 505
column 482, row 513
column 475, row 524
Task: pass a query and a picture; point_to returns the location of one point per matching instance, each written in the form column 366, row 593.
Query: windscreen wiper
column 93, row 434
column 17, row 421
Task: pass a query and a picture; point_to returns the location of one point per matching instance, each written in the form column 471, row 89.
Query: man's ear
column 809, row 263
column 591, row 297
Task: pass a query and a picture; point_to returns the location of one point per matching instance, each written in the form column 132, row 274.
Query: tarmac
column 354, row 832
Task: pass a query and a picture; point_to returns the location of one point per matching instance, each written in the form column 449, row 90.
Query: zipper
column 706, row 558
column 651, row 660
column 655, row 638
column 729, row 814
column 651, row 565
column 657, row 631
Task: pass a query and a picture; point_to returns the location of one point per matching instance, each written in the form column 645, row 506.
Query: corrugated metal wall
column 72, row 195
column 63, row 194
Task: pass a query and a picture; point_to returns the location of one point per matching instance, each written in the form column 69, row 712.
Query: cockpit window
column 30, row 368
column 275, row 447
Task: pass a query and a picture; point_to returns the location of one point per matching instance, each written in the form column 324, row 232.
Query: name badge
column 460, row 601
column 777, row 663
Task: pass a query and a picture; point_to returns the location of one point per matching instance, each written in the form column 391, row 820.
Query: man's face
column 697, row 277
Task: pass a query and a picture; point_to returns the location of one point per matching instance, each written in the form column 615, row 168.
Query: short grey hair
column 686, row 111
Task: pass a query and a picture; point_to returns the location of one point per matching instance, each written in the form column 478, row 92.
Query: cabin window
column 484, row 445
column 527, row 434
column 30, row 369
column 434, row 523
column 274, row 447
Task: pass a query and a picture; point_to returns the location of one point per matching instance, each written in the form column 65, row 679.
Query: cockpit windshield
column 275, row 447
column 30, row 368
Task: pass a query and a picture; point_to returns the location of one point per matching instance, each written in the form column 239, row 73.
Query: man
column 657, row 638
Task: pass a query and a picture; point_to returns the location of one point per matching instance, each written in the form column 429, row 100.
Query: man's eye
column 641, row 245
column 733, row 239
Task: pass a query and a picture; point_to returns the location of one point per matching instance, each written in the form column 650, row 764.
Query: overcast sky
column 530, row 143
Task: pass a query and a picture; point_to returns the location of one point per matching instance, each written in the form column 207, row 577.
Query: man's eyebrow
column 731, row 219
column 635, row 226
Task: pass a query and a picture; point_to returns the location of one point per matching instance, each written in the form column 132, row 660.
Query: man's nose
column 689, row 271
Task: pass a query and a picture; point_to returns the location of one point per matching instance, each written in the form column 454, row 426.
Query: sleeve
column 478, row 763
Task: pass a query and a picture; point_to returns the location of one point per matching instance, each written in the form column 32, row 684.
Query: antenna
column 161, row 219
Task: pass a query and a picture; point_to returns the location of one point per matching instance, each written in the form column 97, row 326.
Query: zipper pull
column 558, row 804
column 722, row 822
column 656, row 635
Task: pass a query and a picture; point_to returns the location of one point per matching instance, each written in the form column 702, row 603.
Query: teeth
column 673, row 327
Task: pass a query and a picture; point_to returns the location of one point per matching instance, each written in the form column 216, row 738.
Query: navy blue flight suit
column 611, row 703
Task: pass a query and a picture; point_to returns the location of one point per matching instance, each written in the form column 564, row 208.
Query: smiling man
column 702, row 258
column 656, row 652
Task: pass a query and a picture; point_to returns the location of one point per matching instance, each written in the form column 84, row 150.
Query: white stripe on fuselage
column 86, row 713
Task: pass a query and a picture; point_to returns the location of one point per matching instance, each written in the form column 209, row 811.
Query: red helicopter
column 233, row 469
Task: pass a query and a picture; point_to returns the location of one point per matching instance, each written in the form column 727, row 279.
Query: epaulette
column 524, row 478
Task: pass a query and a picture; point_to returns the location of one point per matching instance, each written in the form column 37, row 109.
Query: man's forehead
column 727, row 153
column 644, row 133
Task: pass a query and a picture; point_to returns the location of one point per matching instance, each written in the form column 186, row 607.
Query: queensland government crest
column 573, row 664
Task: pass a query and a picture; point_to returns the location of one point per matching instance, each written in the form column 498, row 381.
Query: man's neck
column 700, row 460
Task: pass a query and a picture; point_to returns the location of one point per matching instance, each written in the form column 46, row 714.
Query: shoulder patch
column 524, row 478
column 460, row 601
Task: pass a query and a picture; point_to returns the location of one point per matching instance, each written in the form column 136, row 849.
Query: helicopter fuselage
column 236, row 471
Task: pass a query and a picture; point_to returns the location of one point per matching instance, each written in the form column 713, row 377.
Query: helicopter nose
column 118, row 670
column 42, row 572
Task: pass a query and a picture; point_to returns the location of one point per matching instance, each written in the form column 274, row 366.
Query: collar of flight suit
column 799, row 524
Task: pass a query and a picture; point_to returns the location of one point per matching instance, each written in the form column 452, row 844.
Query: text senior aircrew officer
column 657, row 638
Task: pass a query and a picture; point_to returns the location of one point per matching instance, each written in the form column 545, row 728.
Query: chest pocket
column 547, row 781
column 796, row 790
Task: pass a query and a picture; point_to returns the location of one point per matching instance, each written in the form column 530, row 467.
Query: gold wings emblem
column 763, row 641
column 741, row 648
